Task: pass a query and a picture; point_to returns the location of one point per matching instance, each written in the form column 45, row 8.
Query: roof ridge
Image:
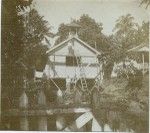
column 88, row 45
column 63, row 42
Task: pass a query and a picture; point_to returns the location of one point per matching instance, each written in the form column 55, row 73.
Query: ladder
column 98, row 80
column 96, row 84
column 82, row 75
column 75, row 79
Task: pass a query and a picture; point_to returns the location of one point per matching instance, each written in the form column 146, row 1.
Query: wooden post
column 59, row 97
column 107, row 128
column 41, row 98
column 77, row 97
column 95, row 99
column 0, row 101
column 24, row 125
column 95, row 46
column 123, row 127
column 42, row 123
column 96, row 126
column 23, row 100
column 54, row 66
column 60, row 122
column 143, row 62
column 23, row 103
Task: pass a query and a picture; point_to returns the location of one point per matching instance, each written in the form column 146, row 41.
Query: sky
column 104, row 11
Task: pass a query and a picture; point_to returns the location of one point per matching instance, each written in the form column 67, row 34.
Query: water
column 105, row 121
column 113, row 120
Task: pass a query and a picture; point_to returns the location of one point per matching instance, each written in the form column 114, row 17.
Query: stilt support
column 24, row 125
column 60, row 122
column 23, row 100
column 42, row 98
column 42, row 123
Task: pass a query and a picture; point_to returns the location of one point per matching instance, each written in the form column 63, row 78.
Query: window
column 72, row 60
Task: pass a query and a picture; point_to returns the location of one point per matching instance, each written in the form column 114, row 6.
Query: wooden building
column 63, row 58
column 141, row 62
column 73, row 59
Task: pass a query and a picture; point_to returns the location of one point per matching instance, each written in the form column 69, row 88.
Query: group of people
column 70, row 84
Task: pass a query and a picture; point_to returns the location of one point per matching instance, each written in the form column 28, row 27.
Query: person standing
column 68, row 84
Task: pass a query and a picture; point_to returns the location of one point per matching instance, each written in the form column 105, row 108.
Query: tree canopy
column 145, row 2
column 12, row 44
column 21, row 45
column 90, row 32
column 128, row 33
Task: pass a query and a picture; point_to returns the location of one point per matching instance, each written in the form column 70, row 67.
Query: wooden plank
column 96, row 126
column 62, row 55
column 60, row 122
column 80, row 121
column 17, row 112
column 83, row 119
column 83, row 64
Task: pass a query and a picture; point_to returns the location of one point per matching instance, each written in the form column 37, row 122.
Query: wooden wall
column 58, row 62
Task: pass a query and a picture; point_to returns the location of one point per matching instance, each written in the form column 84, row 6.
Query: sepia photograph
column 75, row 65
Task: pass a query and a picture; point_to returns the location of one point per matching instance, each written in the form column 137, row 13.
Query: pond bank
column 119, row 104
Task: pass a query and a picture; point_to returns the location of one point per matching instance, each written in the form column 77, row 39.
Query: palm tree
column 124, row 25
column 125, row 30
column 146, row 2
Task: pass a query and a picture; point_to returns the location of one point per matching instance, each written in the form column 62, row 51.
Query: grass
column 115, row 88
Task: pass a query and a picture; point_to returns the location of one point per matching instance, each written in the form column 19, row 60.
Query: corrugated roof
column 73, row 25
column 140, row 48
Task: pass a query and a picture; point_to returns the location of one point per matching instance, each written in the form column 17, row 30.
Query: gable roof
column 64, row 43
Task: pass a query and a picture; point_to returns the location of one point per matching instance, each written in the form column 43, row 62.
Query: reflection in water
column 112, row 120
column 96, row 126
column 107, row 128
column 104, row 120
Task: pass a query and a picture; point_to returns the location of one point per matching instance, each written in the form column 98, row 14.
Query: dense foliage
column 21, row 45
column 12, row 46
column 145, row 2
column 90, row 32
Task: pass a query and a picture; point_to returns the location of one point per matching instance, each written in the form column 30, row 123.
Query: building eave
column 137, row 48
column 88, row 46
column 62, row 44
